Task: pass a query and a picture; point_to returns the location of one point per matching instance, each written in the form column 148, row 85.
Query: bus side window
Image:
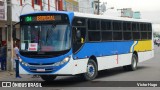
column 79, row 35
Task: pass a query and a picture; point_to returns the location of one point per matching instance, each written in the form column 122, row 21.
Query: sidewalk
column 6, row 75
column 10, row 76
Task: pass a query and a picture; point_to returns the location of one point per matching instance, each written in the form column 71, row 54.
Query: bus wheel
column 48, row 77
column 92, row 70
column 134, row 62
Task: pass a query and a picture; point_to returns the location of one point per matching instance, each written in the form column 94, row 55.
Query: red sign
column 33, row 47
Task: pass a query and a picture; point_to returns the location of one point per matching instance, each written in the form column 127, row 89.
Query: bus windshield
column 46, row 37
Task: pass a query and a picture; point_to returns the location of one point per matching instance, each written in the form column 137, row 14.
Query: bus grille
column 40, row 63
column 47, row 66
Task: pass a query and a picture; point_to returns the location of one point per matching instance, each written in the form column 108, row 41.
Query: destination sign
column 41, row 18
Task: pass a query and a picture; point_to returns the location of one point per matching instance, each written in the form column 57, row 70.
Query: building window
column 38, row 2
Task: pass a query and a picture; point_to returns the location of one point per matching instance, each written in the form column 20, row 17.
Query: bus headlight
column 66, row 59
column 22, row 62
column 62, row 62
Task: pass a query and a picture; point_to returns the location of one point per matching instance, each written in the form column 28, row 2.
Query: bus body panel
column 43, row 63
column 73, row 67
column 114, row 54
column 142, row 46
column 104, row 49
column 112, row 61
column 143, row 56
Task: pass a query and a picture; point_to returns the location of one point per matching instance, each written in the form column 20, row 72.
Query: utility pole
column 97, row 2
column 9, row 35
column 98, row 7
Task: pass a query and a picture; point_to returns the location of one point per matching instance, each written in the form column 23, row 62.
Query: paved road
column 147, row 71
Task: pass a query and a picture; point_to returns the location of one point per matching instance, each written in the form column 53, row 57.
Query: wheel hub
column 90, row 70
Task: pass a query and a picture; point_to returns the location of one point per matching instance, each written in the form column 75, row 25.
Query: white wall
column 85, row 6
column 17, row 10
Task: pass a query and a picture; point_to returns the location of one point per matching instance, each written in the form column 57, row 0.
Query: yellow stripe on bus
column 143, row 45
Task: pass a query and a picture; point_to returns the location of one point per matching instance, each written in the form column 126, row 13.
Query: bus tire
column 134, row 62
column 48, row 77
column 92, row 70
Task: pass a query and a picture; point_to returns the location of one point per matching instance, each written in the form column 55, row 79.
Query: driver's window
column 79, row 33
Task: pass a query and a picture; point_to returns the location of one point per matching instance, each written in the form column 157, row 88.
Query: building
column 2, row 22
column 129, row 13
column 83, row 6
column 137, row 15
column 70, row 5
column 21, row 7
column 87, row 6
column 25, row 6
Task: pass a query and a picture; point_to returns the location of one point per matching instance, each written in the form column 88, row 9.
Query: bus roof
column 109, row 17
column 85, row 15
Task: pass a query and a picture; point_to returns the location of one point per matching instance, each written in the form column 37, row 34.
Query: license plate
column 40, row 70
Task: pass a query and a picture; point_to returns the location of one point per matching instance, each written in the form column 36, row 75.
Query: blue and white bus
column 68, row 43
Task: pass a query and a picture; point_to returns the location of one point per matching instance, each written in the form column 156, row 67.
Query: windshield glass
column 47, row 37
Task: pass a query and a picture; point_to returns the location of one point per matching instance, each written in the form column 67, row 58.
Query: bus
column 62, row 43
